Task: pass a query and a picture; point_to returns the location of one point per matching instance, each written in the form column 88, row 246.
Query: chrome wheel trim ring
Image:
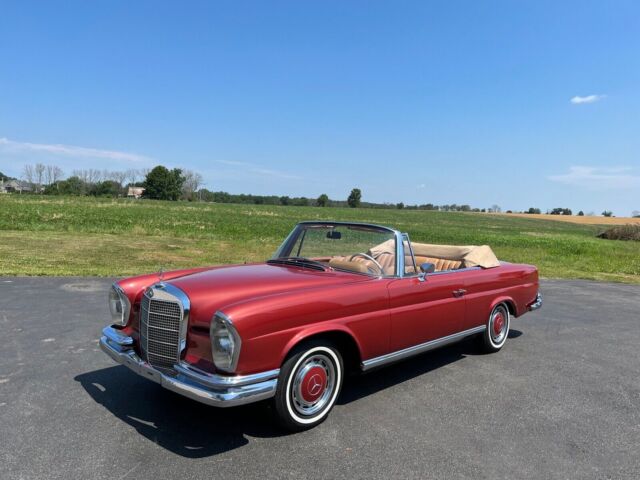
column 303, row 406
column 498, row 338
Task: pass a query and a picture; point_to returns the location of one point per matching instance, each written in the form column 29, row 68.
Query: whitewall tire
column 497, row 331
column 308, row 386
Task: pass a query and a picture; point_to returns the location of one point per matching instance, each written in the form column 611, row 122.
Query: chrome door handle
column 459, row 293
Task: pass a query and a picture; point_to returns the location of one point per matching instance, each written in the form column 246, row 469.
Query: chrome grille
column 161, row 322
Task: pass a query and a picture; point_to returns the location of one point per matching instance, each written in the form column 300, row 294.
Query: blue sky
column 420, row 102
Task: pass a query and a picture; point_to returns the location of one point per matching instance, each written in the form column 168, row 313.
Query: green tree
column 581, row 213
column 354, row 198
column 400, row 206
column 323, row 200
column 108, row 188
column 221, row 197
column 607, row 213
column 163, row 184
column 70, row 186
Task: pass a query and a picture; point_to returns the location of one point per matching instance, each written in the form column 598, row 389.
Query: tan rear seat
column 441, row 264
column 387, row 261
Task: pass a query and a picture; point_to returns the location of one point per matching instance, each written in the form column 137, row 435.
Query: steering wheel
column 370, row 258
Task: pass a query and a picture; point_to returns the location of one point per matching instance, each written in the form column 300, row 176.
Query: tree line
column 161, row 183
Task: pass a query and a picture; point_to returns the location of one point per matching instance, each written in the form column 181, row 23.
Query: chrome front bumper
column 207, row 388
column 536, row 304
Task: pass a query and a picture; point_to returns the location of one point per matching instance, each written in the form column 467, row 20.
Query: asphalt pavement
column 561, row 400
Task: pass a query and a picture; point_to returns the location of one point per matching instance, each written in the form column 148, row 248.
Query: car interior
column 381, row 258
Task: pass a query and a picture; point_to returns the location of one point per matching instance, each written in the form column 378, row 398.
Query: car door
column 482, row 288
column 424, row 310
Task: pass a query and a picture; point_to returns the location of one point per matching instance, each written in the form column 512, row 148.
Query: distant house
column 15, row 186
column 135, row 192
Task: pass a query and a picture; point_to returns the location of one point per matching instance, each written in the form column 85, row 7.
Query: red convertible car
column 335, row 298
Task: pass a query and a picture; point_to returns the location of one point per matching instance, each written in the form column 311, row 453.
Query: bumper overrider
column 537, row 303
column 207, row 388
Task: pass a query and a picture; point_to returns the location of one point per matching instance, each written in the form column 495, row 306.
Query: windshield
column 356, row 248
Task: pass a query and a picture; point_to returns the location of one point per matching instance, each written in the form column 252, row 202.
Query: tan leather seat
column 352, row 265
column 441, row 264
column 388, row 263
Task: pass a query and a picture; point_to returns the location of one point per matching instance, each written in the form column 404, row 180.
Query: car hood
column 212, row 290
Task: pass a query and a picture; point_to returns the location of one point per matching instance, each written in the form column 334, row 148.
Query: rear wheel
column 308, row 386
column 497, row 331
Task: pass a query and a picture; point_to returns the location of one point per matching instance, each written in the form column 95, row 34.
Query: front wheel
column 308, row 386
column 497, row 331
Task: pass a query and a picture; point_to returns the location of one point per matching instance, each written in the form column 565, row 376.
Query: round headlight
column 225, row 343
column 119, row 305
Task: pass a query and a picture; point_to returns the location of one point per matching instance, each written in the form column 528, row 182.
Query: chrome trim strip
column 413, row 257
column 399, row 254
column 116, row 336
column 329, row 223
column 457, row 270
column 221, row 381
column 537, row 303
column 210, row 389
column 421, row 348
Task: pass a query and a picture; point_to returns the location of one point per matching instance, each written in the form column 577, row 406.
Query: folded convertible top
column 469, row 255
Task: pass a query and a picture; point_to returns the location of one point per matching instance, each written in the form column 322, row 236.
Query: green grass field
column 88, row 236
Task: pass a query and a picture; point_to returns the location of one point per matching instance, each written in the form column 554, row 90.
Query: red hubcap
column 313, row 384
column 498, row 323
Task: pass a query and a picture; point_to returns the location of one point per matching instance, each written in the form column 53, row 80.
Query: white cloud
column 421, row 186
column 71, row 151
column 578, row 100
column 599, row 178
column 257, row 169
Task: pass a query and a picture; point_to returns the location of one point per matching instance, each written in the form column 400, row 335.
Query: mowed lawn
column 88, row 236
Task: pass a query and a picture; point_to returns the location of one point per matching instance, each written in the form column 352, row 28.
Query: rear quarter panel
column 516, row 284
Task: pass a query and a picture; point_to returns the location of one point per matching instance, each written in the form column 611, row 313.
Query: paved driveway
column 561, row 400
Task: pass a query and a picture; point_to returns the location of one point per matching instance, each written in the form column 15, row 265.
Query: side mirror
column 427, row 267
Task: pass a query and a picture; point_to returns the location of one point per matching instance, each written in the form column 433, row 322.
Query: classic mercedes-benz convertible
column 335, row 298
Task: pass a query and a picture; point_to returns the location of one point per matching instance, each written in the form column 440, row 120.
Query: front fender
column 318, row 330
column 271, row 326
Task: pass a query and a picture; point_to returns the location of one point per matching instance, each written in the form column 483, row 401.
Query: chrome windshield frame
column 292, row 237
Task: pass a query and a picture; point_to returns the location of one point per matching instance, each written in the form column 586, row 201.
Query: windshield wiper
column 298, row 262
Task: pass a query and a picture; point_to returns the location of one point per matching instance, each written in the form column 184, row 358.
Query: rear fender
column 511, row 304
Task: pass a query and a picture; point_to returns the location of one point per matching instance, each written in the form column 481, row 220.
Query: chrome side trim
column 210, row 389
column 537, row 303
column 421, row 348
column 457, row 270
